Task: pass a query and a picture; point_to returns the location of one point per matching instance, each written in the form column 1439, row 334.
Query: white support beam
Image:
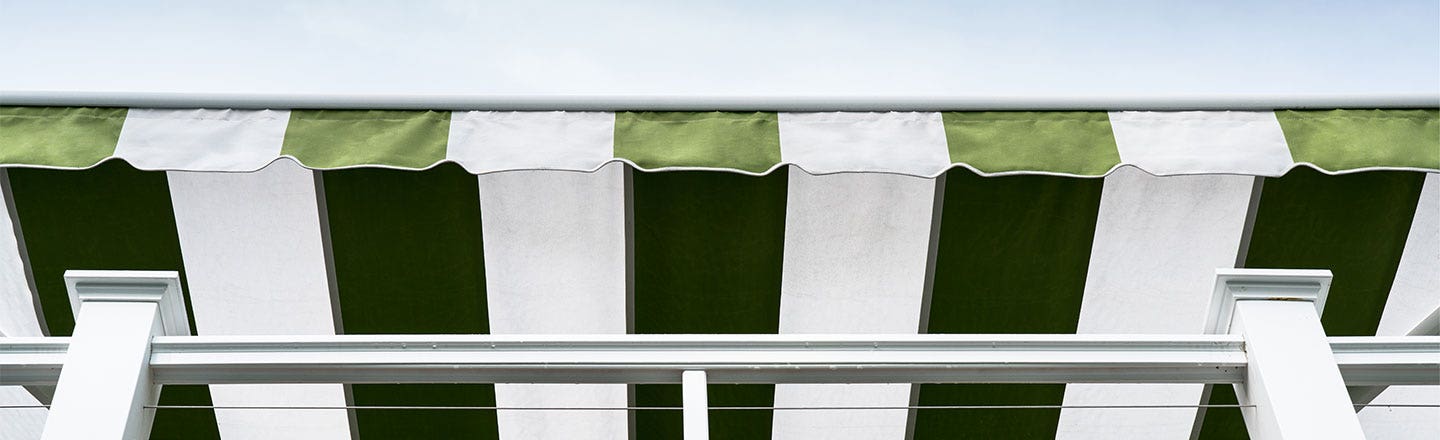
column 106, row 382
column 696, row 405
column 725, row 358
column 1363, row 360
column 1293, row 388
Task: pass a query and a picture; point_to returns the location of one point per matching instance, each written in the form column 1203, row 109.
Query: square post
column 1291, row 377
column 105, row 383
column 696, row 404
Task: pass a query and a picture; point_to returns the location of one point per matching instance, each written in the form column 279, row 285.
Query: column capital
column 1234, row 285
column 160, row 287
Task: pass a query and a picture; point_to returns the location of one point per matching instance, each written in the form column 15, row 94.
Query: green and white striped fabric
column 1080, row 144
column 880, row 223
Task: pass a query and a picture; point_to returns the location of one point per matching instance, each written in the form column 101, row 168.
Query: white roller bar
column 1393, row 360
column 711, row 103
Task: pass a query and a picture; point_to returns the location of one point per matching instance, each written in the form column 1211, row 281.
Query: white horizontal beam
column 1410, row 360
column 725, row 359
column 710, row 103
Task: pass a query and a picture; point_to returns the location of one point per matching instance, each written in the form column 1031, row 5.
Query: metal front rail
column 1411, row 360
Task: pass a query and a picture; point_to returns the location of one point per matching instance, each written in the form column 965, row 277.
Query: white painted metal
column 555, row 263
column 1410, row 360
column 1157, row 244
column 696, row 405
column 1293, row 387
column 255, row 265
column 105, row 385
column 726, row 359
column 709, row 103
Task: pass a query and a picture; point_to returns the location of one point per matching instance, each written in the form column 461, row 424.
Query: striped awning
column 1077, row 144
column 388, row 221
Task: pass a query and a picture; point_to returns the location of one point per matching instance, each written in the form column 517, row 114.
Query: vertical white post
column 1291, row 378
column 696, row 405
column 105, row 382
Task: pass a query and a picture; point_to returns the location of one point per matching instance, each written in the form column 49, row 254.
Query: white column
column 255, row 265
column 555, row 264
column 696, row 405
column 1291, row 378
column 105, row 382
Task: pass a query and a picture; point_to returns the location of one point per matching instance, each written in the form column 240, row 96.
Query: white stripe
column 1414, row 294
column 909, row 143
column 555, row 264
column 17, row 301
column 17, row 318
column 255, row 265
column 1169, row 143
column 20, row 423
column 1157, row 244
column 482, row 142
column 210, row 140
column 854, row 262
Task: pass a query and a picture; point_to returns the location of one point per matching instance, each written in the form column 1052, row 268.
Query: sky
column 739, row 48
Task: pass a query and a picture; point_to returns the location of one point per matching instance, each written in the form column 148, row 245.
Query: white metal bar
column 1400, row 360
column 106, row 383
column 696, row 404
column 748, row 360
column 711, row 103
column 1293, row 388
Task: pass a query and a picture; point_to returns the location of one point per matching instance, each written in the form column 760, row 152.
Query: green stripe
column 1355, row 225
column 347, row 138
column 742, row 141
column 1079, row 143
column 1338, row 140
column 708, row 250
column 1011, row 258
column 409, row 260
column 111, row 217
column 69, row 137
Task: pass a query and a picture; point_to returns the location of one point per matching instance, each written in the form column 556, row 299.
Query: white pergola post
column 696, row 404
column 106, row 383
column 1291, row 378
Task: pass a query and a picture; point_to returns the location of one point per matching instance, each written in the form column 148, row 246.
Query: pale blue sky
column 959, row 48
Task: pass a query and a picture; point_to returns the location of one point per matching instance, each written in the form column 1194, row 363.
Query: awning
column 320, row 222
column 1077, row 144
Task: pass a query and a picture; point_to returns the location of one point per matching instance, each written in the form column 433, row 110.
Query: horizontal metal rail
column 726, row 359
column 711, row 103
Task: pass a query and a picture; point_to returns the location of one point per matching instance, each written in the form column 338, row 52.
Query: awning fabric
column 1081, row 144
column 373, row 222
